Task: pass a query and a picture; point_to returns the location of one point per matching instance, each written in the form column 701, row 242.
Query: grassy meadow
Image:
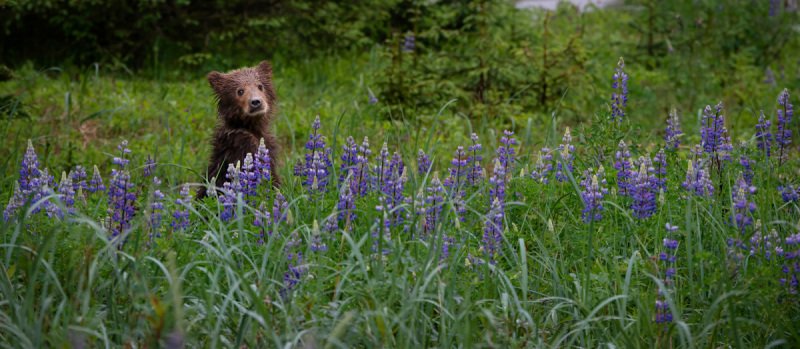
column 670, row 220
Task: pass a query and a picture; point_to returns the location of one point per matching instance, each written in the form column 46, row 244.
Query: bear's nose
column 255, row 103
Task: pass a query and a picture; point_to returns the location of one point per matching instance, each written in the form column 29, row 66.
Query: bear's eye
column 260, row 87
column 240, row 92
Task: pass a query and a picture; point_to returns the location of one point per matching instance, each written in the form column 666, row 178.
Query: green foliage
column 495, row 60
column 147, row 33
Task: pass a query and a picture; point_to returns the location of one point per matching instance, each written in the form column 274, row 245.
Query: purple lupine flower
column 156, row 209
column 181, row 215
column 149, row 166
column 295, row 271
column 742, row 204
column 349, row 155
column 261, row 220
column 475, row 172
column 791, row 264
column 765, row 245
column 249, row 176
column 434, row 201
column 317, row 244
column 15, row 202
column 396, row 166
column 346, row 205
column 34, row 185
column 493, row 230
column 409, row 43
column 397, row 199
column 783, row 136
column 625, row 173
column 660, row 169
column 747, row 169
column 789, row 193
column 392, row 198
column 594, row 189
column 280, row 211
column 672, row 137
column 619, row 98
column 506, row 153
column 66, row 193
column 698, row 181
column 455, row 181
column 317, row 161
column 262, row 163
column 381, row 169
column 230, row 192
column 566, row 155
column 381, row 233
column 96, row 183
column 121, row 199
column 361, row 174
column 667, row 258
column 714, row 135
column 78, row 178
column 448, row 242
column 42, row 188
column 643, row 192
column 121, row 161
column 423, row 163
column 29, row 171
column 497, row 183
column 764, row 135
column 543, row 166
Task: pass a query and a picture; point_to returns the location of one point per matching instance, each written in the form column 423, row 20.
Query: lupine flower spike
column 619, row 98
column 698, row 181
column 96, row 183
column 149, row 166
column 714, row 136
column 667, row 260
column 764, row 135
column 566, row 155
column 317, row 164
column 672, row 137
column 181, row 215
column 434, row 202
column 506, row 153
column 475, row 172
column 624, row 169
column 643, row 192
column 78, row 178
column 594, row 189
column 783, row 136
column 493, row 230
column 121, row 197
column 263, row 164
column 156, row 209
column 743, row 204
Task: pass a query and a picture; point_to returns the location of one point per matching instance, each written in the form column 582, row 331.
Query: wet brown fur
column 238, row 131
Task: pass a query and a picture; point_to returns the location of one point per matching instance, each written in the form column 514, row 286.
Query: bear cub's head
column 245, row 93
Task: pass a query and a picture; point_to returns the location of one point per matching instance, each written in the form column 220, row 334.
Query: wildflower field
column 673, row 229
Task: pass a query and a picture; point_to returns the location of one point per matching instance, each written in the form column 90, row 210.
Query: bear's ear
column 265, row 69
column 217, row 82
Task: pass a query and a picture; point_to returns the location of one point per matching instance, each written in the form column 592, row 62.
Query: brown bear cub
column 246, row 105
